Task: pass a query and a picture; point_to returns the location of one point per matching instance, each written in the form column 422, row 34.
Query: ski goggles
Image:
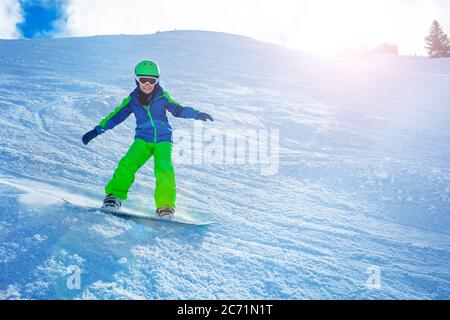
column 146, row 79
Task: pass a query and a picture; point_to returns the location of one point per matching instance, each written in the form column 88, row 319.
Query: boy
column 149, row 103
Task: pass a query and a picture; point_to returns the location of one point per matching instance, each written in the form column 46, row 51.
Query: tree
column 437, row 43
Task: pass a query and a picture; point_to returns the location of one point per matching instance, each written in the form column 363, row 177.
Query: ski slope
column 362, row 188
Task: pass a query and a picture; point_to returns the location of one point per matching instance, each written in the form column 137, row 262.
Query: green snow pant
column 138, row 154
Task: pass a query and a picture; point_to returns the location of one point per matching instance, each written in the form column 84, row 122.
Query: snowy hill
column 361, row 189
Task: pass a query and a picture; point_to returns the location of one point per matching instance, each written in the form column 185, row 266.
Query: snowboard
column 128, row 214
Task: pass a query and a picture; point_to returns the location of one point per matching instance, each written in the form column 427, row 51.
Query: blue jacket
column 152, row 124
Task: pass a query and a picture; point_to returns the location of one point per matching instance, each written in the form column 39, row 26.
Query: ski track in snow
column 363, row 181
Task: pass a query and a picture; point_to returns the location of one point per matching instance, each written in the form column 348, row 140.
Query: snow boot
column 111, row 203
column 165, row 212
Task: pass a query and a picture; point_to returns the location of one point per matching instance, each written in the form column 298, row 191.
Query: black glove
column 92, row 134
column 203, row 116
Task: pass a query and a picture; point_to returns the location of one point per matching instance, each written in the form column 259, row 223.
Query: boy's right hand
column 87, row 137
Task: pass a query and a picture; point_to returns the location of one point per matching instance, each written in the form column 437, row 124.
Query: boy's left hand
column 203, row 116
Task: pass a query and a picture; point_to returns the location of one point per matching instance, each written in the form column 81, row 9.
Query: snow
column 362, row 181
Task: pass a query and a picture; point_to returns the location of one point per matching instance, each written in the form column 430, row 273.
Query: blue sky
column 39, row 18
column 311, row 25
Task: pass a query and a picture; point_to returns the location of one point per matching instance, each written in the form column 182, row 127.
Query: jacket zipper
column 147, row 107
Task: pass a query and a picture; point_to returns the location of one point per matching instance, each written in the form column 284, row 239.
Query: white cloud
column 314, row 25
column 257, row 18
column 10, row 16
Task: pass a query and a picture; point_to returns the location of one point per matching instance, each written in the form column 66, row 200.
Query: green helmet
column 147, row 68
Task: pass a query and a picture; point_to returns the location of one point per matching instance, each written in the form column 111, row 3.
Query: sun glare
column 334, row 26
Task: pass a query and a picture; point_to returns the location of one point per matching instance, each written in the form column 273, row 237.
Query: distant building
column 386, row 48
